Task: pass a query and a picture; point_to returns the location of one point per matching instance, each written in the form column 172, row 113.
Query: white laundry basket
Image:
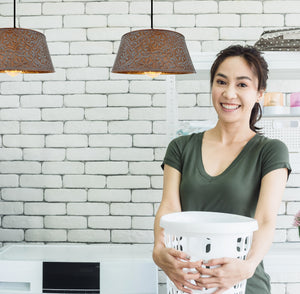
column 207, row 235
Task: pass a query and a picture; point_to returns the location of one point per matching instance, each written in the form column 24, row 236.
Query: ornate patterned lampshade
column 153, row 52
column 25, row 51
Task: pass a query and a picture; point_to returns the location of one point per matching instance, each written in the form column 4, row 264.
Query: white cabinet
column 102, row 269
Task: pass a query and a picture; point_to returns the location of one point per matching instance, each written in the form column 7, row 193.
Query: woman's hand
column 178, row 267
column 226, row 272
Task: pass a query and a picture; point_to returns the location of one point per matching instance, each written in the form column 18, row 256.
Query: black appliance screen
column 71, row 277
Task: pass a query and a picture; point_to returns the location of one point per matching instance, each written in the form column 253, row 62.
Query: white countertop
column 75, row 253
column 282, row 262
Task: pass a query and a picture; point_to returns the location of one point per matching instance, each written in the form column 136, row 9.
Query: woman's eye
column 243, row 85
column 220, row 82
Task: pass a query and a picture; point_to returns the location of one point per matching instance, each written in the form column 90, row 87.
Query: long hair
column 259, row 66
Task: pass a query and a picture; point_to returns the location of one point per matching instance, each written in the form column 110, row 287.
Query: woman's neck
column 229, row 134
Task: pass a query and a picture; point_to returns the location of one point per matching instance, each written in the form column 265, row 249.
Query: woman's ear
column 260, row 95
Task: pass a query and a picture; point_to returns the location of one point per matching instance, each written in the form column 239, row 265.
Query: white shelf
column 285, row 116
column 283, row 65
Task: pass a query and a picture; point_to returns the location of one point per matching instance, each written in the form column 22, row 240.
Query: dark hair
column 257, row 63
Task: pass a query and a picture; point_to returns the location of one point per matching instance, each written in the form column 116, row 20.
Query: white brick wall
column 85, row 100
column 107, row 8
column 271, row 20
column 241, row 6
column 41, row 101
column 63, row 8
column 86, row 21
column 65, row 195
column 24, row 8
column 81, row 148
column 41, row 127
column 103, row 34
column 65, row 35
column 41, row 22
column 216, row 20
column 281, row 7
column 158, row 8
column 109, row 222
column 22, row 194
column 21, row 88
column 196, row 7
column 63, row 168
column 9, row 101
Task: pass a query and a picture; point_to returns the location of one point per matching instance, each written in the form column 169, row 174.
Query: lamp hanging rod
column 15, row 13
column 151, row 14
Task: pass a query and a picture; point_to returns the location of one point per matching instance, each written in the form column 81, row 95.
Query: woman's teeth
column 230, row 106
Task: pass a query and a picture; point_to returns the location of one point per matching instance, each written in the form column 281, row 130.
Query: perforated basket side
column 208, row 247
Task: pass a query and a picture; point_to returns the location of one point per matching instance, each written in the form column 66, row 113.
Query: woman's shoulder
column 177, row 149
column 274, row 154
column 271, row 143
column 183, row 141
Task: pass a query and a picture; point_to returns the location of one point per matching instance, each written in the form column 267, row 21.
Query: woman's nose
column 229, row 93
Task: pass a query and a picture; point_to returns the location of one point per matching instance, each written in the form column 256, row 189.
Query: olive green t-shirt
column 235, row 190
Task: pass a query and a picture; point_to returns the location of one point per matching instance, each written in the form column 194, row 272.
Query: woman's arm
column 272, row 188
column 232, row 270
column 172, row 261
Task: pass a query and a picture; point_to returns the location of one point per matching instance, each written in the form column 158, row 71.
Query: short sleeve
column 275, row 156
column 173, row 154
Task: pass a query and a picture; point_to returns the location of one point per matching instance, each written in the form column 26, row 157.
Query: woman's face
column 234, row 90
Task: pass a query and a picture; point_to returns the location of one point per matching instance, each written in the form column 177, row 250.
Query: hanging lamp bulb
column 12, row 73
column 153, row 52
column 152, row 74
column 23, row 51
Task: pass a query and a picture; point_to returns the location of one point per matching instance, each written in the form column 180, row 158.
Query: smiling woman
column 236, row 91
column 256, row 69
column 231, row 169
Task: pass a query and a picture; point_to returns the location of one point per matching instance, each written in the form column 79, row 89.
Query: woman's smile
column 230, row 107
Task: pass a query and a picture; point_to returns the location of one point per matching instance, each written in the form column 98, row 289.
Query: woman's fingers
column 208, row 271
column 209, row 282
column 188, row 286
column 216, row 261
column 184, row 259
column 178, row 267
column 188, row 276
column 206, row 286
column 189, row 266
column 187, row 279
column 222, row 273
column 181, row 287
column 210, row 285
column 179, row 254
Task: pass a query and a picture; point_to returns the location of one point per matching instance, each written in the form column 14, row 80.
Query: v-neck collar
column 231, row 165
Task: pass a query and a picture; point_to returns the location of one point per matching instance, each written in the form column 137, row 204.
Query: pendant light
column 153, row 52
column 23, row 51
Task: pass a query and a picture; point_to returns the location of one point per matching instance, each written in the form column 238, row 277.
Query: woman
column 230, row 168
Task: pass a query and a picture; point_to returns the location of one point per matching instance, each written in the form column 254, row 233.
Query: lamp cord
column 151, row 14
column 15, row 13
